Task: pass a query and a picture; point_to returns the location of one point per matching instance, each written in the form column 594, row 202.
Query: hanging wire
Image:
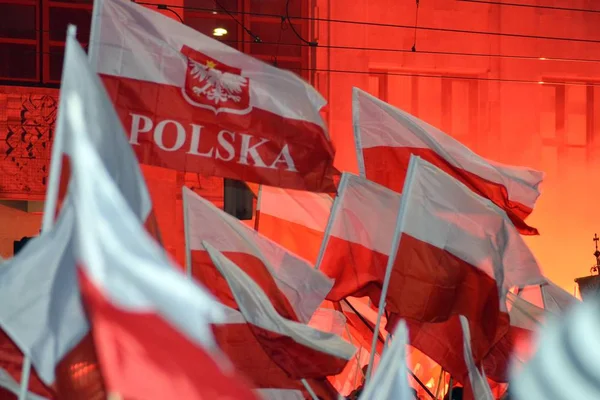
column 539, row 7
column 166, row 7
column 414, row 46
column 581, row 82
column 400, row 26
column 248, row 31
column 287, row 15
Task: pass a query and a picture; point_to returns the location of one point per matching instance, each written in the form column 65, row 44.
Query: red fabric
column 78, row 373
column 293, row 359
column 262, row 365
column 204, row 270
column 388, row 166
column 429, row 285
column 311, row 152
column 143, row 357
column 11, row 360
column 358, row 271
column 496, row 363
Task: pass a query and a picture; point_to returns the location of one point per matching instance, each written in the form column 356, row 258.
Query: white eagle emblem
column 218, row 87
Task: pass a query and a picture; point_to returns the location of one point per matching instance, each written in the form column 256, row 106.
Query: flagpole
column 49, row 206
column 186, row 230
column 257, row 217
column 51, row 199
column 391, row 259
column 364, row 321
column 334, row 210
column 309, row 390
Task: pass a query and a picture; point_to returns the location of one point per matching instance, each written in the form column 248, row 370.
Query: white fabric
column 48, row 320
column 40, row 306
column 566, row 364
column 439, row 210
column 479, row 384
column 304, row 287
column 256, row 308
column 103, row 128
column 119, row 256
column 133, row 41
column 304, row 208
column 279, row 394
column 364, row 213
column 390, row 381
column 523, row 314
column 377, row 123
column 8, row 383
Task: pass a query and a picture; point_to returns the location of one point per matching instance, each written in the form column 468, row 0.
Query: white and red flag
column 390, row 381
column 358, row 238
column 385, row 138
column 528, row 309
column 293, row 285
column 192, row 103
column 105, row 131
column 151, row 325
column 457, row 254
column 299, row 350
column 294, row 219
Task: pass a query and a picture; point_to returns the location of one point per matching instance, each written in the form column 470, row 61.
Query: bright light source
column 219, row 32
column 541, row 82
column 542, row 58
column 214, row 12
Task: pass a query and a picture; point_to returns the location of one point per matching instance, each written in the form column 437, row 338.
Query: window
column 569, row 122
column 450, row 104
column 19, row 40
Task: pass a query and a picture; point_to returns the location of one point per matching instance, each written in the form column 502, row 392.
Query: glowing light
column 541, row 82
column 219, row 32
column 542, row 58
column 214, row 12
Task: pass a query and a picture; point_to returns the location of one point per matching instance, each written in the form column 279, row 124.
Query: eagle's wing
column 233, row 83
column 199, row 72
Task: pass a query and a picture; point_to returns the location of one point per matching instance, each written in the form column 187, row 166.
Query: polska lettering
column 241, row 148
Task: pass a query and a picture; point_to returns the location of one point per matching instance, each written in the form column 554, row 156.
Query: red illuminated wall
column 553, row 126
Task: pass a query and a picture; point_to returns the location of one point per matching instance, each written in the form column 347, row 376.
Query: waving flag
column 386, row 137
column 390, row 381
column 529, row 310
column 358, row 238
column 301, row 351
column 295, row 287
column 151, row 325
column 294, row 219
column 458, row 253
column 194, row 104
column 566, row 361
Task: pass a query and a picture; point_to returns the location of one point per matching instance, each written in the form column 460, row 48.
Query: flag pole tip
column 71, row 31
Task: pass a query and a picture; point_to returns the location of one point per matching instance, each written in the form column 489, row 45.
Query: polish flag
column 11, row 365
column 301, row 351
column 455, row 253
column 48, row 322
column 358, row 238
column 390, row 381
column 104, row 130
column 151, row 325
column 529, row 310
column 385, row 138
column 293, row 285
column 194, row 104
column 294, row 219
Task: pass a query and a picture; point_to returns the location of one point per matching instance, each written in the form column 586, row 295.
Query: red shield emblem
column 215, row 86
